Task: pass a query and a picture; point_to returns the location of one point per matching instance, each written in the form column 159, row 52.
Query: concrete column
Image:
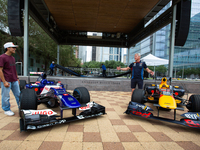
column 172, row 41
column 26, row 40
column 128, row 56
column 58, row 59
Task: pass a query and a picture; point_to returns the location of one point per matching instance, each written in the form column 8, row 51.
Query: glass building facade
column 158, row 43
column 111, row 53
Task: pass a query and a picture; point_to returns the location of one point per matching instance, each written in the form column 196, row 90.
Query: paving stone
column 114, row 130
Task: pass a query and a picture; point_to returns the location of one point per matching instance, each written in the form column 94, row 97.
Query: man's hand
column 119, row 68
column 152, row 73
column 6, row 84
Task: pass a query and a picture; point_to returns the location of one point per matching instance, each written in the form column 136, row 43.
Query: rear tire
column 194, row 103
column 22, row 84
column 146, row 85
column 82, row 95
column 138, row 96
column 27, row 100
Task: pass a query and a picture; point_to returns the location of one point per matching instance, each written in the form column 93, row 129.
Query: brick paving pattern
column 113, row 131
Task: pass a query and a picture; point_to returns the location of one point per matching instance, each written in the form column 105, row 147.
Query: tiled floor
column 113, row 131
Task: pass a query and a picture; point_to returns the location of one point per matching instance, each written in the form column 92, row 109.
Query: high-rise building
column 101, row 54
column 158, row 43
column 82, row 53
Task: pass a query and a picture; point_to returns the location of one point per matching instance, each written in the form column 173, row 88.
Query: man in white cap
column 51, row 68
column 9, row 77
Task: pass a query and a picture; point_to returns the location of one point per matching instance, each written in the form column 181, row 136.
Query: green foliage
column 41, row 46
column 109, row 64
column 158, row 69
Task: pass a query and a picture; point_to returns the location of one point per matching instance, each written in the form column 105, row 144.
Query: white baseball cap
column 52, row 61
column 9, row 44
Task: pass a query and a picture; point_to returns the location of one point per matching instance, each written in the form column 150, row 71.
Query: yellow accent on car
column 163, row 83
column 178, row 101
column 176, row 86
column 153, row 85
column 166, row 101
column 151, row 98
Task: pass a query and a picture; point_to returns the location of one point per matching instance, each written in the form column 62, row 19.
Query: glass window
column 105, row 57
column 116, row 57
column 116, row 51
column 111, row 57
column 105, row 50
column 111, row 50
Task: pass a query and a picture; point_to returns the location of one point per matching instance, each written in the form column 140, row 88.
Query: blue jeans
column 5, row 94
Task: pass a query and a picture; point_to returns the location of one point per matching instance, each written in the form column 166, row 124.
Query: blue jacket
column 103, row 67
column 52, row 66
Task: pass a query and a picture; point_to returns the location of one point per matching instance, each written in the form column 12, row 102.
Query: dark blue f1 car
column 52, row 94
column 166, row 100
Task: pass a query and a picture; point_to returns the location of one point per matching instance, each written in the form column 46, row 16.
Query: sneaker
column 9, row 113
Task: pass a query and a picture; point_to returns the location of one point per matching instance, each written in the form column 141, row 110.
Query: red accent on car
column 36, row 89
column 176, row 93
column 190, row 123
column 145, row 115
column 59, row 81
column 65, row 94
column 152, row 91
column 37, row 82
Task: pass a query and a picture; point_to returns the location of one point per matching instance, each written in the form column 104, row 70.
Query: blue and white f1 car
column 52, row 94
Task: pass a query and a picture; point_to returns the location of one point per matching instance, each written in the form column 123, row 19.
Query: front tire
column 138, row 96
column 27, row 100
column 194, row 103
column 82, row 95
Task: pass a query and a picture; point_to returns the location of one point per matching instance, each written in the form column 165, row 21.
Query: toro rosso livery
column 54, row 95
column 164, row 97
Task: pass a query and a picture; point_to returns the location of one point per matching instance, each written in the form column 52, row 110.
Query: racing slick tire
column 82, row 95
column 22, row 84
column 138, row 96
column 27, row 100
column 194, row 103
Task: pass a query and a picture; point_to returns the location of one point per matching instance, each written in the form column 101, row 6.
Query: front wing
column 141, row 110
column 41, row 120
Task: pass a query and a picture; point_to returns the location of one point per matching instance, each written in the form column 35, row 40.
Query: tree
column 109, row 64
column 41, row 46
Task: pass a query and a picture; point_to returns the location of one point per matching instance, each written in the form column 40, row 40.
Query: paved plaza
column 113, row 131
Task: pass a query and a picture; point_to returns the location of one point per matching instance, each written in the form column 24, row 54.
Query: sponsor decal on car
column 139, row 106
column 48, row 87
column 51, row 124
column 93, row 115
column 142, row 114
column 89, row 105
column 47, row 112
column 191, row 115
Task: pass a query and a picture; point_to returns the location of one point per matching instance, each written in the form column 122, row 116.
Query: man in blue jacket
column 51, row 68
column 137, row 68
column 104, row 70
